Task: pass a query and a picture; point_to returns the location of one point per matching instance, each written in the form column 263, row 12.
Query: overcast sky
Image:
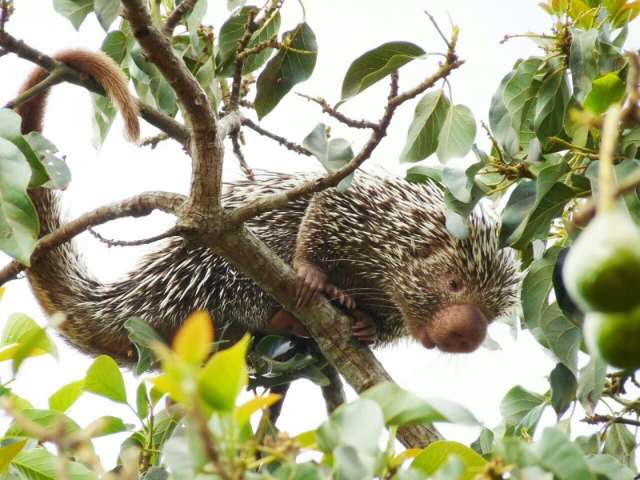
column 344, row 29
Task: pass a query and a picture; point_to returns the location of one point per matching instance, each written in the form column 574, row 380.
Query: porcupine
column 382, row 245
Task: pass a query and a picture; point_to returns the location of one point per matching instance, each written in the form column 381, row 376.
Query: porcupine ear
column 108, row 74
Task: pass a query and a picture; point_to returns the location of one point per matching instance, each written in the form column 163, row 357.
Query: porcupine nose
column 459, row 329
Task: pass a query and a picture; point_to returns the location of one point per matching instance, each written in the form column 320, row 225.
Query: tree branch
column 294, row 147
column 177, row 15
column 206, row 146
column 350, row 122
column 159, row 120
column 279, row 200
column 138, row 206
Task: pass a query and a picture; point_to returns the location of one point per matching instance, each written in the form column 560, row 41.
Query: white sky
column 345, row 29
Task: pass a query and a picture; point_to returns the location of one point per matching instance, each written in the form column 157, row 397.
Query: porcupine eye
column 455, row 285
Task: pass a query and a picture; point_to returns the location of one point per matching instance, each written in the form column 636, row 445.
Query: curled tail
column 59, row 278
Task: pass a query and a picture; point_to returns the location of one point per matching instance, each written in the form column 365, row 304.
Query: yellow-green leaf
column 9, row 448
column 224, row 376
column 62, row 399
column 105, row 379
column 244, row 412
column 193, row 341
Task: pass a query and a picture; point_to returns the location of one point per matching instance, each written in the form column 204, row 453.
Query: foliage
column 546, row 129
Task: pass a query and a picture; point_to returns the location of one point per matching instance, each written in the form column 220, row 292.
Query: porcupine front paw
column 311, row 281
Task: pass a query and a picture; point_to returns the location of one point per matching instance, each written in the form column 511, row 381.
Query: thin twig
column 327, row 108
column 172, row 232
column 177, row 15
column 154, row 141
column 294, row 147
column 138, row 206
column 237, row 150
column 209, row 444
column 437, row 27
column 595, row 419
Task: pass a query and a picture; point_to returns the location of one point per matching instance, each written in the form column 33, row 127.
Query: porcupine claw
column 364, row 329
column 311, row 281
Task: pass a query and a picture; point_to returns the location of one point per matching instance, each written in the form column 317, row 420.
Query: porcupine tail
column 59, row 278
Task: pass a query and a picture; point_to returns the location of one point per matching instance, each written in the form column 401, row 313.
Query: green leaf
column 142, row 401
column 107, row 425
column 607, row 467
column 591, row 382
column 10, row 129
column 551, row 106
column 457, row 134
column 333, row 154
column 19, row 225
column 438, row 453
column 104, row 112
column 517, row 403
column 374, row 65
column 428, row 118
column 115, row 45
column 551, row 198
column 536, row 287
column 527, row 426
column 22, row 338
column 606, row 91
column 424, row 173
column 58, row 173
column 40, row 464
column 520, row 93
column 401, row 407
column 460, row 181
column 105, row 379
column 484, row 443
column 232, row 32
column 561, row 456
column 9, row 448
column 289, row 67
column 74, row 10
column 620, row 443
column 518, row 207
column 106, row 11
column 352, row 464
column 43, row 418
column 582, row 61
column 559, row 335
column 62, row 399
column 563, row 388
column 358, row 424
column 143, row 336
column 224, row 376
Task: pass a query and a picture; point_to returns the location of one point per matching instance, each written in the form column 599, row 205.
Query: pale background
column 345, row 29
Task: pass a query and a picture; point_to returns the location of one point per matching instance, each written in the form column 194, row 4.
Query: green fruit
column 615, row 337
column 602, row 269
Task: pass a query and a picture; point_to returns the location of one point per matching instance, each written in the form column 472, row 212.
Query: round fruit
column 615, row 337
column 602, row 269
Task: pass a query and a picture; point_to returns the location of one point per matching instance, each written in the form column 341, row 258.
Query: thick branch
column 329, row 327
column 206, row 147
column 159, row 120
column 138, row 206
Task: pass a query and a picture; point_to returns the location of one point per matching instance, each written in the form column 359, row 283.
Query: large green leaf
column 520, row 91
column 9, row 448
column 105, row 379
column 551, row 106
column 606, row 91
column 609, row 468
column 21, row 338
column 358, row 424
column 106, row 11
column 10, row 123
column 560, row 455
column 591, row 382
column 436, row 455
column 519, row 205
column 376, row 64
column 559, row 335
column 56, row 168
column 422, row 137
column 582, row 61
column 563, row 388
column 620, row 443
column 457, row 133
column 401, row 407
column 40, row 464
column 517, row 403
column 224, row 376
column 62, row 399
column 115, row 45
column 292, row 65
column 43, row 418
column 74, row 10
column 232, row 32
column 536, row 287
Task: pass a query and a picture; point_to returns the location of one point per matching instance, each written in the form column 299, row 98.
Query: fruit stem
column 606, row 173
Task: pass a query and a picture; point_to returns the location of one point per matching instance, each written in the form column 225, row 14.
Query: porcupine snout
column 456, row 329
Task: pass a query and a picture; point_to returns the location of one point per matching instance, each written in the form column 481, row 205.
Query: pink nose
column 458, row 329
